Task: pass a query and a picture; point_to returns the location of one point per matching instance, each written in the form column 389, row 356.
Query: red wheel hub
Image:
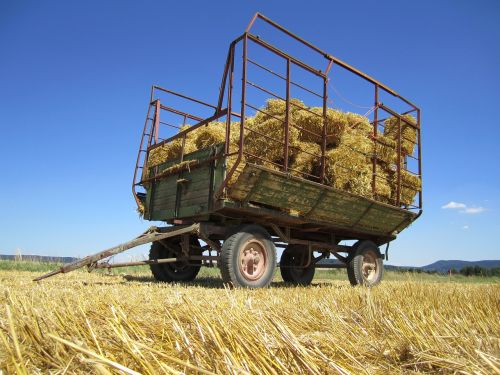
column 253, row 260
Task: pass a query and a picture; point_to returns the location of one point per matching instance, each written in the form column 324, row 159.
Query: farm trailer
column 243, row 222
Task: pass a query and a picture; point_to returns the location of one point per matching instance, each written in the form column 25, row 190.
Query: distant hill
column 441, row 266
column 39, row 258
column 445, row 265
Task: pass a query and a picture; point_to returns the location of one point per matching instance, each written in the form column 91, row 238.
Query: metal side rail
column 151, row 235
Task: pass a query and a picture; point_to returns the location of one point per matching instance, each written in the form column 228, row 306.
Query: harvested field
column 92, row 323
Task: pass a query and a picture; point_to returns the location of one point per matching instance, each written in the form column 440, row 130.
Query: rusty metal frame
column 152, row 234
column 225, row 97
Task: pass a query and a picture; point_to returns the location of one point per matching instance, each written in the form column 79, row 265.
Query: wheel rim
column 253, row 260
column 176, row 267
column 296, row 265
column 370, row 267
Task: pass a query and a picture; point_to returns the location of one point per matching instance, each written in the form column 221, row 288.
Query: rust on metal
column 226, row 93
column 152, row 234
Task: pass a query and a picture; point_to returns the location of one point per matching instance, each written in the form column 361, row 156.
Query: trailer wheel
column 366, row 266
column 290, row 266
column 178, row 271
column 248, row 258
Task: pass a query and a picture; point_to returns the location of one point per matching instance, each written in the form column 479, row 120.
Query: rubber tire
column 168, row 272
column 297, row 275
column 230, row 255
column 354, row 266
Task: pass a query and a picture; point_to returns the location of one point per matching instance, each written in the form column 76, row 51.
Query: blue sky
column 75, row 80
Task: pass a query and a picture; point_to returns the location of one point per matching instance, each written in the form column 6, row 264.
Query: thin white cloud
column 465, row 227
column 453, row 205
column 473, row 210
column 463, row 208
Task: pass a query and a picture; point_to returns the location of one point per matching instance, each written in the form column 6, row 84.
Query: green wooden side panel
column 189, row 193
column 185, row 193
column 259, row 185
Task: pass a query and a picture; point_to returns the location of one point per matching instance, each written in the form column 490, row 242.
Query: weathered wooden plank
column 192, row 210
column 164, row 202
column 248, row 178
column 191, row 199
column 315, row 201
column 381, row 219
column 165, row 184
column 196, row 183
column 165, row 190
column 269, row 189
column 333, row 217
column 160, row 198
column 161, row 215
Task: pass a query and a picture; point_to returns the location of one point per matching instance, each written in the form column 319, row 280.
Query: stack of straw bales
column 171, row 150
column 266, row 134
column 348, row 166
column 348, row 156
column 408, row 132
column 387, row 153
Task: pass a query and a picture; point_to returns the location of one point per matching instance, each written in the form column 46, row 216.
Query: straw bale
column 348, row 170
column 205, row 136
column 252, row 146
column 348, row 166
column 209, row 135
column 270, row 145
column 305, row 162
column 408, row 133
column 234, row 137
column 384, row 184
column 171, row 150
column 349, row 148
column 277, row 108
column 410, row 185
column 231, row 160
column 359, row 122
column 386, row 149
column 336, row 122
column 357, row 141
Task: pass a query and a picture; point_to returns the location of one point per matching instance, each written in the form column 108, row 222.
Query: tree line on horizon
column 465, row 271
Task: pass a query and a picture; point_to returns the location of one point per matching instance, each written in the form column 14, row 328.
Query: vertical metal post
column 152, row 94
column 229, row 99
column 398, row 166
column 243, row 98
column 287, row 116
column 183, row 140
column 229, row 174
column 182, row 149
column 375, row 143
column 323, row 140
column 157, row 120
column 223, row 81
column 419, row 160
column 138, row 160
